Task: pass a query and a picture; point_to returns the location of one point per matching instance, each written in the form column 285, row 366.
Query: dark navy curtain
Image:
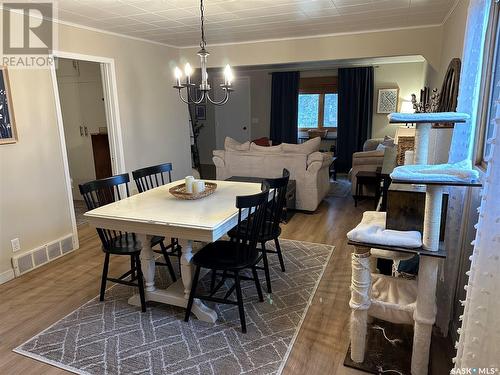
column 355, row 90
column 284, row 107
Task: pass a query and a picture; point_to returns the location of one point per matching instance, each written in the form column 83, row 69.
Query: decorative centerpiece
column 193, row 189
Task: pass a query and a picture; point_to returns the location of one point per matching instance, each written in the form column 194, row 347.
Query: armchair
column 367, row 160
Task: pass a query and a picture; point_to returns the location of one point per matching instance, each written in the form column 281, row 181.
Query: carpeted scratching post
column 422, row 132
column 425, row 312
column 360, row 301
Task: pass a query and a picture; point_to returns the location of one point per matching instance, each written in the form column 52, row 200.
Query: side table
column 371, row 179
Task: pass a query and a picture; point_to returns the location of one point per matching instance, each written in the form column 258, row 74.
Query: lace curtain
column 479, row 344
column 461, row 148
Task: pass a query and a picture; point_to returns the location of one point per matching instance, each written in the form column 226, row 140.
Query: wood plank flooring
column 36, row 300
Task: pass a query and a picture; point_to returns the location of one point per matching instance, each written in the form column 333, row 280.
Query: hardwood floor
column 36, row 300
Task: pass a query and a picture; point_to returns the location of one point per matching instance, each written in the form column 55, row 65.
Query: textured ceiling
column 176, row 22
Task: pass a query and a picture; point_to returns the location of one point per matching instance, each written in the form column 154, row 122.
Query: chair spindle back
column 152, row 177
column 98, row 193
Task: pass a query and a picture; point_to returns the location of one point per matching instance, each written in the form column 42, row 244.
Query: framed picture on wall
column 8, row 133
column 200, row 112
column 387, row 100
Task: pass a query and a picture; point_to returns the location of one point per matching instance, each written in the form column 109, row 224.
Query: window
column 331, row 110
column 318, row 103
column 492, row 87
column 308, row 110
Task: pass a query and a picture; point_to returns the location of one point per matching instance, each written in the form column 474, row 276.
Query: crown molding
column 317, row 36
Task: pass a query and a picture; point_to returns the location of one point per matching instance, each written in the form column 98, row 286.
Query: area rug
column 113, row 337
column 340, row 187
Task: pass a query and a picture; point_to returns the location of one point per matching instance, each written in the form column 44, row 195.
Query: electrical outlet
column 16, row 246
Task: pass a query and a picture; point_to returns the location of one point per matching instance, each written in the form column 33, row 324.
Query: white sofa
column 307, row 166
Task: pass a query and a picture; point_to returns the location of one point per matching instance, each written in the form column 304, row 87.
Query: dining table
column 157, row 212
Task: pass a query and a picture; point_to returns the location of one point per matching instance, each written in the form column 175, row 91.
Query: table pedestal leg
column 177, row 293
column 147, row 262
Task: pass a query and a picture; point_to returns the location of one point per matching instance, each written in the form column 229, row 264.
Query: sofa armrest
column 318, row 160
column 368, row 157
column 218, row 158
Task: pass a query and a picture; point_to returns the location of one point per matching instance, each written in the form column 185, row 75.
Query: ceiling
column 176, row 22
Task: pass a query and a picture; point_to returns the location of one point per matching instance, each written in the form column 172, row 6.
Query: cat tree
column 421, row 310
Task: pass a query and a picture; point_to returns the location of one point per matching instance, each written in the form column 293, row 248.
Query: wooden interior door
column 102, row 156
column 233, row 118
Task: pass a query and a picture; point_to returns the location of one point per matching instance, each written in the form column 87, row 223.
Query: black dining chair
column 271, row 228
column 150, row 178
column 99, row 193
column 234, row 256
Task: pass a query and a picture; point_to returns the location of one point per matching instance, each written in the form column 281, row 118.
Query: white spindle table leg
column 176, row 293
column 147, row 262
column 186, row 266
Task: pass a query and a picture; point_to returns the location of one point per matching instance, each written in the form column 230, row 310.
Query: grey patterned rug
column 113, row 337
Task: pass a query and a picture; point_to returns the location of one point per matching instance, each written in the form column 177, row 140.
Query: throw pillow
column 268, row 149
column 231, row 144
column 388, row 141
column 308, row 147
column 381, row 147
column 263, row 141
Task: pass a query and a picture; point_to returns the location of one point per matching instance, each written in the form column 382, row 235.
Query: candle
column 228, row 76
column 198, row 186
column 178, row 76
column 189, row 184
column 188, row 71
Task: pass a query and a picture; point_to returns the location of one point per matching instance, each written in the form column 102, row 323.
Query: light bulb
column 188, row 70
column 177, row 73
column 228, row 74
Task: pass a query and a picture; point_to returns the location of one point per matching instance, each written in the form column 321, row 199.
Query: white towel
column 432, row 117
column 372, row 230
column 455, row 172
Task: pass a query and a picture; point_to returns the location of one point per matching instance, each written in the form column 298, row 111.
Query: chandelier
column 204, row 87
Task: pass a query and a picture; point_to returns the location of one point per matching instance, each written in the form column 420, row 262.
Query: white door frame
column 110, row 92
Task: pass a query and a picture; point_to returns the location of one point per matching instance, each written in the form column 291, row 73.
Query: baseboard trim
column 6, row 276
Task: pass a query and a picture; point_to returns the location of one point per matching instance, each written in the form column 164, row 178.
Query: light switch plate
column 16, row 245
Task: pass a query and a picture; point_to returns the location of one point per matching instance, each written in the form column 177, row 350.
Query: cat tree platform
column 423, row 124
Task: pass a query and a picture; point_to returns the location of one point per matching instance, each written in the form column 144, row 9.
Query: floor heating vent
column 35, row 258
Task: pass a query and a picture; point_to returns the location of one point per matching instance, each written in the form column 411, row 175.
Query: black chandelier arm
column 220, row 102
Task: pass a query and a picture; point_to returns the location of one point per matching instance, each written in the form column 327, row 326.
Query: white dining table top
column 157, row 206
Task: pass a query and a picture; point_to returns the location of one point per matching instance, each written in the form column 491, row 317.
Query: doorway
column 89, row 125
column 233, row 118
column 81, row 96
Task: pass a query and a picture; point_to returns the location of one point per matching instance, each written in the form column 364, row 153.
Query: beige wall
column 452, row 46
column 154, row 122
column 408, row 77
column 33, row 200
column 452, row 43
column 421, row 41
